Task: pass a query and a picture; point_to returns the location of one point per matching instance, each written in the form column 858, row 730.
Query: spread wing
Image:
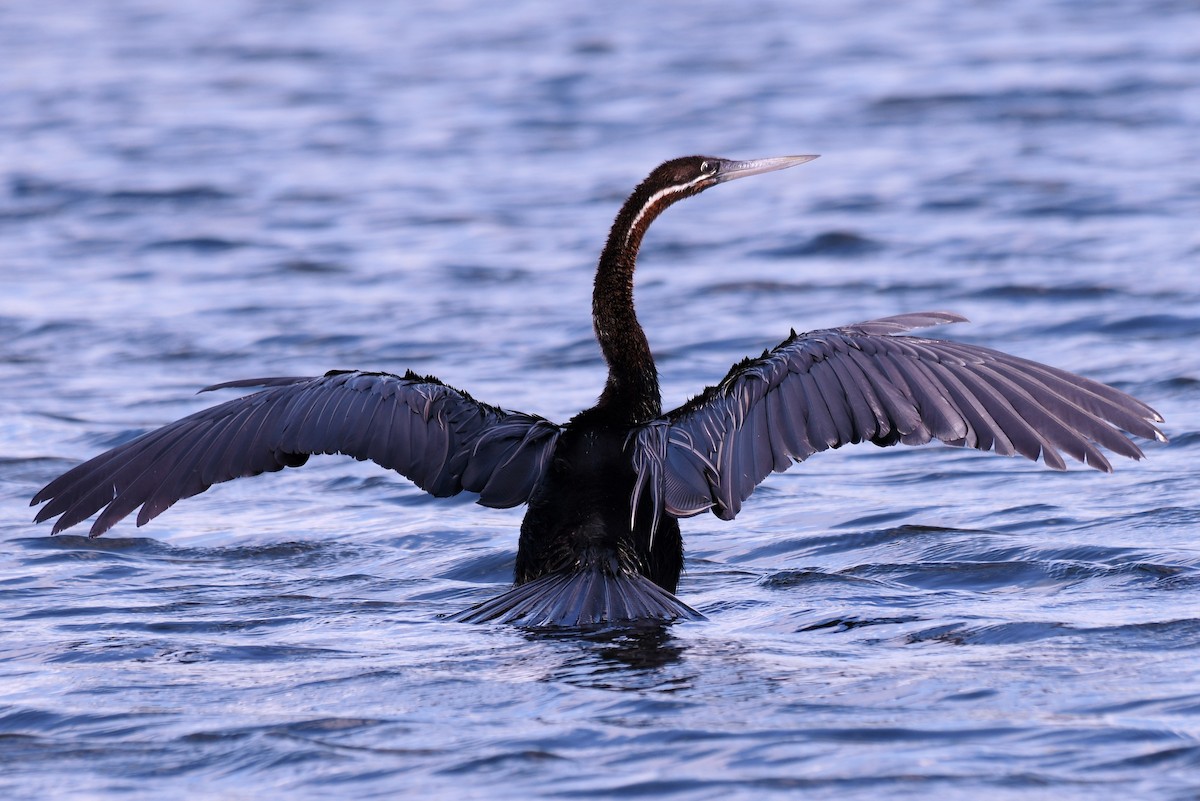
column 827, row 388
column 439, row 437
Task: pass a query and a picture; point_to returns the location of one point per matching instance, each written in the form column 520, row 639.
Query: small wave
column 261, row 52
column 1177, row 382
column 1155, row 325
column 183, row 626
column 23, row 185
column 72, row 547
column 1078, row 208
column 1183, row 633
column 198, row 193
column 488, row 568
column 1026, row 574
column 849, row 202
column 77, row 542
column 844, row 624
column 1174, row 758
column 802, row 578
column 753, row 287
column 197, row 244
column 1025, row 292
column 997, row 634
column 829, row 243
column 1144, row 326
column 36, row 723
column 477, row 274
column 1187, row 439
column 944, row 204
column 311, row 267
column 968, row 576
column 264, row 653
column 853, row 541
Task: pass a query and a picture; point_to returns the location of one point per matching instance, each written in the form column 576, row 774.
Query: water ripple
column 197, row 192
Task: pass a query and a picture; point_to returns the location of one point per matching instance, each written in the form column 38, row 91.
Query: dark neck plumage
column 631, row 394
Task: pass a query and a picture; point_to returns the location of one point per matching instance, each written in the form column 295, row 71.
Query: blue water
column 202, row 191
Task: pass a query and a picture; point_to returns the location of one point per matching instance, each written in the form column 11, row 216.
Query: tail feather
column 581, row 598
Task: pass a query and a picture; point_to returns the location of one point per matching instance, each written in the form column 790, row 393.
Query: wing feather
column 866, row 410
column 822, row 430
column 836, row 402
column 780, row 420
column 829, row 388
column 437, row 436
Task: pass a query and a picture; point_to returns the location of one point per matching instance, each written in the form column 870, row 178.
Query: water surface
column 197, row 192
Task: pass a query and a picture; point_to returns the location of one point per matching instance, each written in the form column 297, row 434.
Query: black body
column 579, row 517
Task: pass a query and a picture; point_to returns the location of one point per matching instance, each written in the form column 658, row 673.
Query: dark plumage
column 600, row 541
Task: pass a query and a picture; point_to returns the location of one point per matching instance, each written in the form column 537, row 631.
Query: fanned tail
column 581, row 598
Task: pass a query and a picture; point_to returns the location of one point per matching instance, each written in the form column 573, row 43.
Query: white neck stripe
column 653, row 201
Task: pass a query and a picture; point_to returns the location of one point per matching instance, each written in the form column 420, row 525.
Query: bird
column 600, row 541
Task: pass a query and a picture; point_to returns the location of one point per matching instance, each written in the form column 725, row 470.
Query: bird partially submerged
column 600, row 542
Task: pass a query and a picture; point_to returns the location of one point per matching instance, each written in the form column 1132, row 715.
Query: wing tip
column 255, row 383
column 900, row 323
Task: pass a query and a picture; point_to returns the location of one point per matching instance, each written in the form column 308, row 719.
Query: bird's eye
column 708, row 167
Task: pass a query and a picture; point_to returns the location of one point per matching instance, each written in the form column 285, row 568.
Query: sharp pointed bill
column 731, row 170
column 600, row 542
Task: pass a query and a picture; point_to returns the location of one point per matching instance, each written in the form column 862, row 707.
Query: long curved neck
column 631, row 393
